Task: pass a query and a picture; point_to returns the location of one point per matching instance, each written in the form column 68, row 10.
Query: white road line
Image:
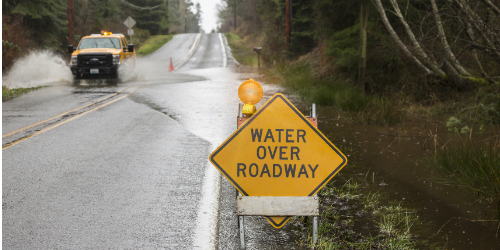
column 206, row 234
column 224, row 56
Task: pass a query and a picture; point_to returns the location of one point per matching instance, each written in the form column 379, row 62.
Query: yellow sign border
column 241, row 128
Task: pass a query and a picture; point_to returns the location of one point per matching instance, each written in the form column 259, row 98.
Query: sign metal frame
column 310, row 125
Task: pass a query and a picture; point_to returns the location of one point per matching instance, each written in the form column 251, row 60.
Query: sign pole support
column 315, row 229
column 241, row 218
column 315, row 220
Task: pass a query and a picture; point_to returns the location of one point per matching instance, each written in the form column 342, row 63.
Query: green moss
column 153, row 44
column 477, row 81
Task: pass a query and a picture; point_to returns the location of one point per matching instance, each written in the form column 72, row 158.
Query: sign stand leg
column 241, row 219
column 315, row 219
column 242, row 229
column 242, row 232
column 315, row 230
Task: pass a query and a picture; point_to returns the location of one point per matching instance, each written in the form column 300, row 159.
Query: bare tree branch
column 470, row 31
column 492, row 6
column 395, row 37
column 418, row 48
column 475, row 21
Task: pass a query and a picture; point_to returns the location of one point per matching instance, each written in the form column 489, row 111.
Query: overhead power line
column 142, row 8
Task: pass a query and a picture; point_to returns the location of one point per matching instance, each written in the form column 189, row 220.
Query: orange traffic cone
column 171, row 67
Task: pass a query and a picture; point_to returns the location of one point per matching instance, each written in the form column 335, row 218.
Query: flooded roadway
column 135, row 173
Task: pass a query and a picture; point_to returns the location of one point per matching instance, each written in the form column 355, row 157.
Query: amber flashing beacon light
column 250, row 92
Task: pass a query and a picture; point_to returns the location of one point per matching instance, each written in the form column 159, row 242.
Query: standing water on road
column 41, row 68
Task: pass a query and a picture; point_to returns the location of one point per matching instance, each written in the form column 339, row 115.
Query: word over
column 277, row 155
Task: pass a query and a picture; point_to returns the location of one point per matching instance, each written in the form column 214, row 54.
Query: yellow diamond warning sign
column 278, row 152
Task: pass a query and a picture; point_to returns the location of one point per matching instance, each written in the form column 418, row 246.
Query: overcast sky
column 209, row 15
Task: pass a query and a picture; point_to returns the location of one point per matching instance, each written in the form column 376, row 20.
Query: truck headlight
column 116, row 59
column 74, row 60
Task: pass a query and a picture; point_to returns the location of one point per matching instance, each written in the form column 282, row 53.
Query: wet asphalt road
column 133, row 174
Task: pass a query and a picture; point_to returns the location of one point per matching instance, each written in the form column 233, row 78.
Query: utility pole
column 234, row 12
column 71, row 23
column 185, row 21
column 287, row 27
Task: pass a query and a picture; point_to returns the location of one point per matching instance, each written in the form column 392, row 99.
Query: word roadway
column 289, row 170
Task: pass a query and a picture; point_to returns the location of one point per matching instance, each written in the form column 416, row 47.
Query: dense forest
column 43, row 24
column 413, row 45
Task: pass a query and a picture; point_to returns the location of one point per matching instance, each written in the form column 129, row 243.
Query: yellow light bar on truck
column 106, row 33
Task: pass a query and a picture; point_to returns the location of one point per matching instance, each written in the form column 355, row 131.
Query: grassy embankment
column 329, row 91
column 8, row 94
column 153, row 44
column 242, row 48
column 332, row 91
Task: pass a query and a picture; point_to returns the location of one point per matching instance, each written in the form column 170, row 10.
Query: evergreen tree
column 197, row 17
column 154, row 20
column 105, row 15
column 45, row 19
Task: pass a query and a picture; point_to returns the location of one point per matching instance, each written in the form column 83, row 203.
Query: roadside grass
column 474, row 165
column 8, row 94
column 480, row 106
column 341, row 94
column 153, row 44
column 352, row 217
column 242, row 49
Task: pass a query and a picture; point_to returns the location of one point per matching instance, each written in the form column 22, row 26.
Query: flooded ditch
column 390, row 159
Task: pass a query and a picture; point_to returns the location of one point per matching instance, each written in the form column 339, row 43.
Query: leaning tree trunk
column 420, row 52
column 396, row 38
column 454, row 77
column 446, row 46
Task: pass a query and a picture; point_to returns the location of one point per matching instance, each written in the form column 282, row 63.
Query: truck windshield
column 103, row 42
